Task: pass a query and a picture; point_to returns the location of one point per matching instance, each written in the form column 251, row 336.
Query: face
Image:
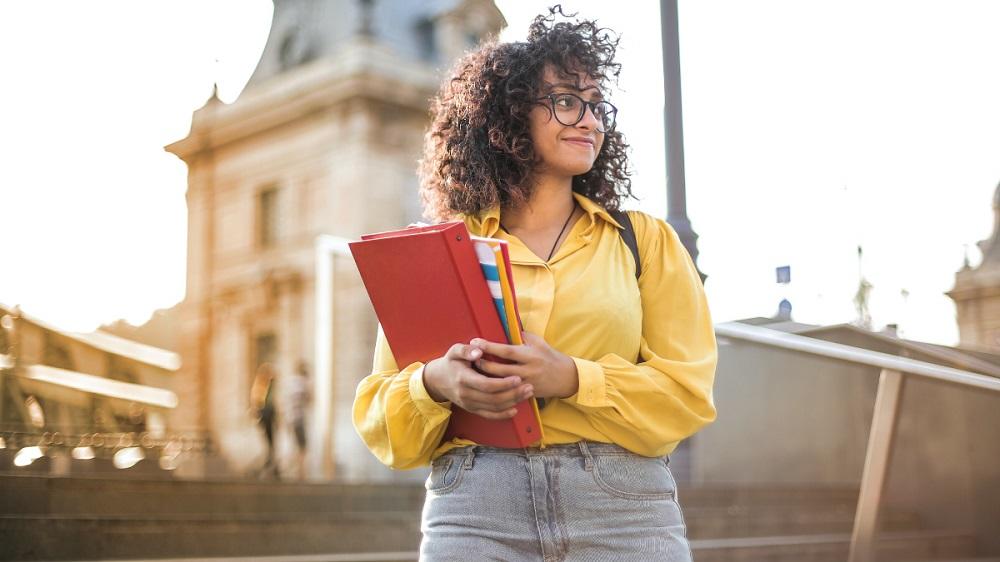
column 565, row 150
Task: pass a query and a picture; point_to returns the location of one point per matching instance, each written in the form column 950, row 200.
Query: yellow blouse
column 645, row 352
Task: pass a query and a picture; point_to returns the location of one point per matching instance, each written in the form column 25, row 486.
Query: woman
column 263, row 407
column 523, row 148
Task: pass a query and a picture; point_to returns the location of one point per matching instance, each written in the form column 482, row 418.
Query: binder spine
column 489, row 327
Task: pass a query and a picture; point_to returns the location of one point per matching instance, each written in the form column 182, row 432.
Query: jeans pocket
column 446, row 474
column 634, row 477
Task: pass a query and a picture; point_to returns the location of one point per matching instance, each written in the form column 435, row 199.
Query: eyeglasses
column 568, row 110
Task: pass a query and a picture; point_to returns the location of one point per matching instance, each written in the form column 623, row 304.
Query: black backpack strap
column 628, row 236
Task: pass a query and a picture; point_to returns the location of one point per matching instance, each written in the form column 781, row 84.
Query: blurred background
column 178, row 181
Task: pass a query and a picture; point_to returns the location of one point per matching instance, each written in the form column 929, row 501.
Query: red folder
column 429, row 293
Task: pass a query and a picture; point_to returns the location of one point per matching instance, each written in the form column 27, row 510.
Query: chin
column 572, row 167
column 579, row 170
column 568, row 166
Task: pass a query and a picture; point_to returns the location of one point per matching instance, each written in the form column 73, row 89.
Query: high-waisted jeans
column 581, row 502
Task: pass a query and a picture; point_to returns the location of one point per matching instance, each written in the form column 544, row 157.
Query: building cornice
column 975, row 284
column 360, row 69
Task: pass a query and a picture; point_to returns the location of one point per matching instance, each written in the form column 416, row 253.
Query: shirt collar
column 488, row 223
column 594, row 210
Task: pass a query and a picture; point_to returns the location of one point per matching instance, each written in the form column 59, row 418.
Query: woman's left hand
column 551, row 373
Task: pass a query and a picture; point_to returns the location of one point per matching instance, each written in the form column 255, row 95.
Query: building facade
column 324, row 140
column 977, row 292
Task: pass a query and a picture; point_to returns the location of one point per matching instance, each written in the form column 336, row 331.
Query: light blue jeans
column 581, row 502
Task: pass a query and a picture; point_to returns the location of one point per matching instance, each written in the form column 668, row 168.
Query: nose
column 589, row 121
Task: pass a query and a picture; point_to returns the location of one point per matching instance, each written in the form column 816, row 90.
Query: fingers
column 514, row 353
column 505, row 415
column 492, row 397
column 508, row 370
column 475, row 401
column 463, row 352
column 484, row 395
column 488, row 385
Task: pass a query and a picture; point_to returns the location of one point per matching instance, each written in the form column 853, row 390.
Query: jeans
column 581, row 502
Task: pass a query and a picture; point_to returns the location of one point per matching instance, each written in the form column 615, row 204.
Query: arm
column 393, row 413
column 665, row 397
column 401, row 415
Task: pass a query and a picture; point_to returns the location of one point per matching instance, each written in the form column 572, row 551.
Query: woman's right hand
column 452, row 378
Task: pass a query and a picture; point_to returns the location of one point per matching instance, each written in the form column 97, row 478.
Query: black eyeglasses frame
column 585, row 105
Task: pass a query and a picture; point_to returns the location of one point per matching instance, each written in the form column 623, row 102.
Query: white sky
column 810, row 128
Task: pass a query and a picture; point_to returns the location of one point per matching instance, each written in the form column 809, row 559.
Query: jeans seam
column 680, row 511
column 560, row 517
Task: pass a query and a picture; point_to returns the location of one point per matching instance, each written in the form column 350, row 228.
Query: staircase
column 786, row 524
column 90, row 518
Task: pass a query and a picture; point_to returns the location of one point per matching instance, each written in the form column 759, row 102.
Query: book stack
column 435, row 286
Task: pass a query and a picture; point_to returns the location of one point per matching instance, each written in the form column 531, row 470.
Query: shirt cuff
column 592, row 391
column 418, row 393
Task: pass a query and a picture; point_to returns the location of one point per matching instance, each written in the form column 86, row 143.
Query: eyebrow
column 575, row 87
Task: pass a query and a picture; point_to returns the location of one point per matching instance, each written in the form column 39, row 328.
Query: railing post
column 880, row 442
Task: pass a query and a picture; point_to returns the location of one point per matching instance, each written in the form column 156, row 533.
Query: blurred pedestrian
column 263, row 406
column 299, row 398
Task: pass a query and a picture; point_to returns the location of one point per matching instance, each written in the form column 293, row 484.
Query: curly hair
column 478, row 152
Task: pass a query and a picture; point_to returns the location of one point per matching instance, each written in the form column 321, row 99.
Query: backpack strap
column 628, row 236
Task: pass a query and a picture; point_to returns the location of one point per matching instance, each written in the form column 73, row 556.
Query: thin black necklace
column 565, row 224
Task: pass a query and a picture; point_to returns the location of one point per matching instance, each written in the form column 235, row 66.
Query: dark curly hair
column 478, row 152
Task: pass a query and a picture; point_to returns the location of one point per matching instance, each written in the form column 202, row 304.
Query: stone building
column 62, row 390
column 324, row 140
column 977, row 292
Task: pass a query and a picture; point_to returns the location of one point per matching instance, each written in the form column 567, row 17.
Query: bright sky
column 810, row 128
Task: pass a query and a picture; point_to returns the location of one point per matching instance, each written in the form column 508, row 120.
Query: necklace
column 565, row 224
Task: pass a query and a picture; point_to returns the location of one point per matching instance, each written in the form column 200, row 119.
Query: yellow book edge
column 515, row 332
column 508, row 298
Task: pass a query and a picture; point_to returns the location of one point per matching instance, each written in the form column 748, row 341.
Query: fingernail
column 475, row 353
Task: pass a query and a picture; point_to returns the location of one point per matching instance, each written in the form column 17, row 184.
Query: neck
column 550, row 203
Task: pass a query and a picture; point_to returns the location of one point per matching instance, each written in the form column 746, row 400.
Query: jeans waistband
column 583, row 449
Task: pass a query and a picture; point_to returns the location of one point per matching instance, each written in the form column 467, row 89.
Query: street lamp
column 674, row 131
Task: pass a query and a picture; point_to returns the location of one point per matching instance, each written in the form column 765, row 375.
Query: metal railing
column 887, row 398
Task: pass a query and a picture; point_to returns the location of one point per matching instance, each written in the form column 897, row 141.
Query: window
column 426, row 41
column 267, row 217
column 55, row 354
column 265, row 350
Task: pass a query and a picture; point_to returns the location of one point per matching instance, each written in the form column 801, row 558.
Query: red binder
column 429, row 293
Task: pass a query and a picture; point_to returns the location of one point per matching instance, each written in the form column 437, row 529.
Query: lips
column 580, row 141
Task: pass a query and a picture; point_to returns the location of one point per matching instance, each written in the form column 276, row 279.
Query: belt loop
column 588, row 460
column 470, row 458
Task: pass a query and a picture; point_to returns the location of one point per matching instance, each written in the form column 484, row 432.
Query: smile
column 581, row 142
